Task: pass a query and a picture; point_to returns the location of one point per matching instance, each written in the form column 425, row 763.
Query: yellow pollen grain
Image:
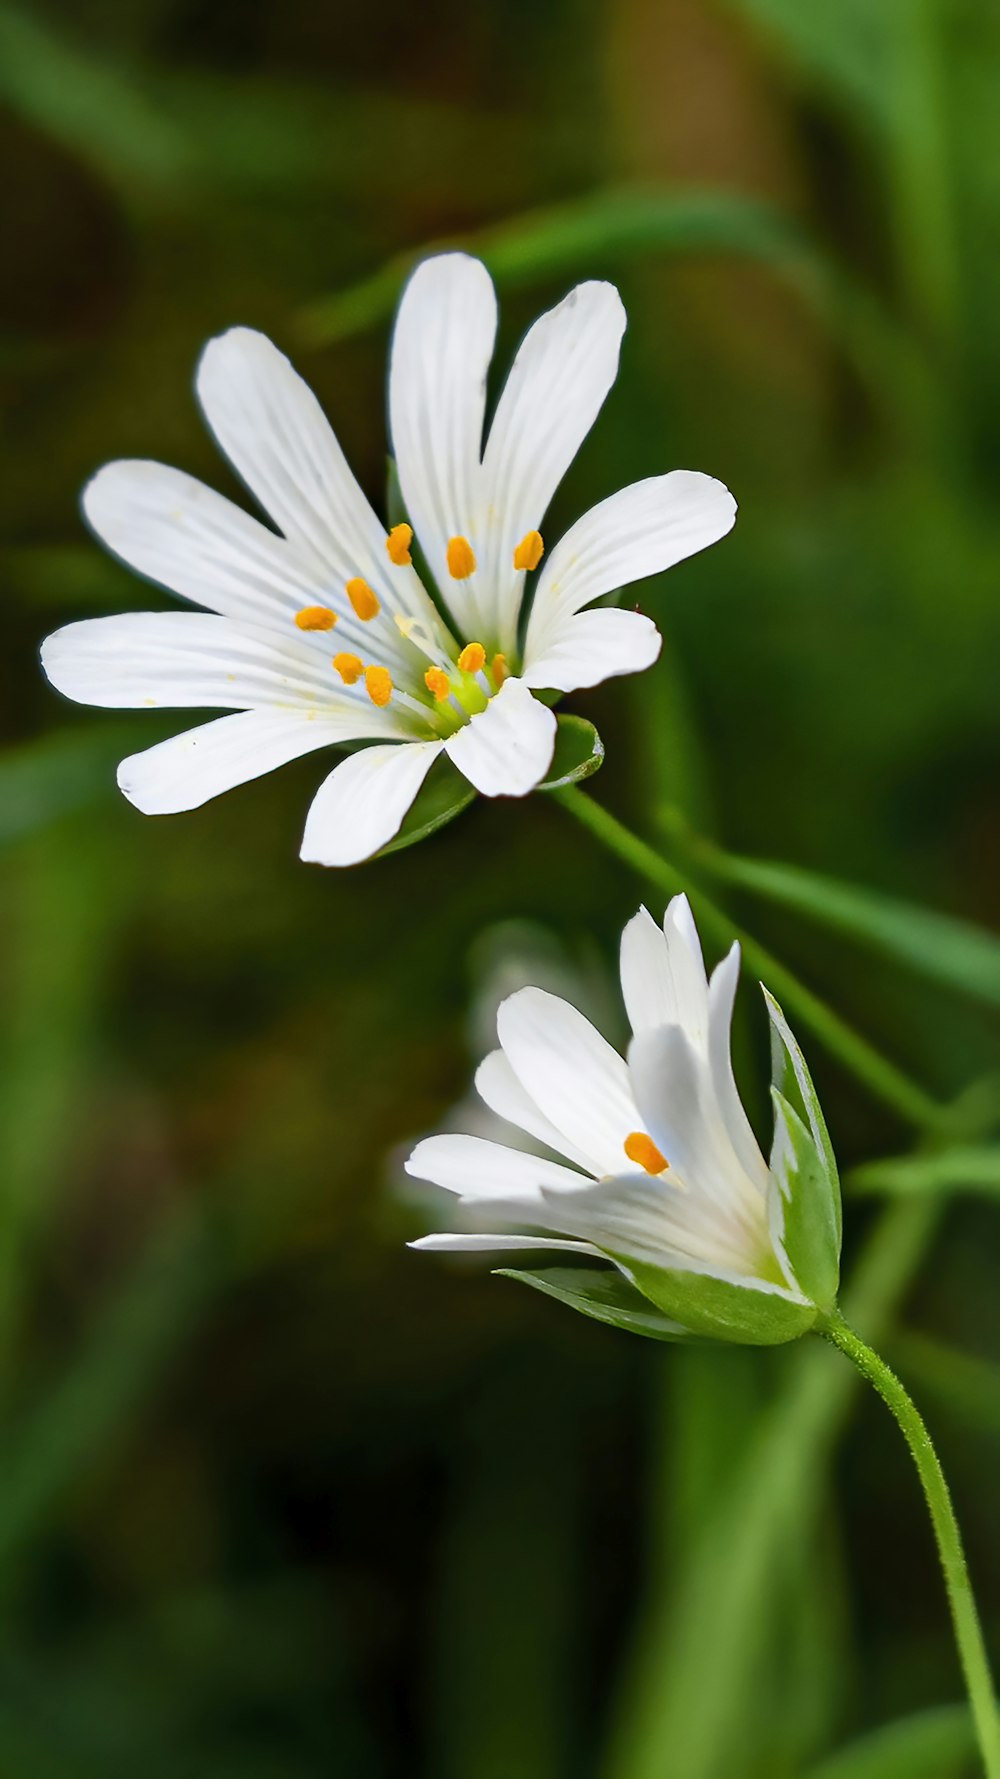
column 473, row 658
column 437, row 681
column 461, row 558
column 398, row 545
column 363, row 599
column 643, row 1151
column 350, row 668
column 378, row 684
column 529, row 551
column 499, row 671
column 315, row 617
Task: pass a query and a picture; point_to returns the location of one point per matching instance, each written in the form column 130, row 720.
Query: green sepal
column 718, row 1309
column 443, row 795
column 604, row 1295
column 810, row 1232
column 578, row 753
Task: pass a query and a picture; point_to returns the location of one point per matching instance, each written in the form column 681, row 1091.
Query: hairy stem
column 965, row 1617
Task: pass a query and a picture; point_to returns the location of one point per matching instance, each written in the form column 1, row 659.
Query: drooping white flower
column 319, row 632
column 659, row 1170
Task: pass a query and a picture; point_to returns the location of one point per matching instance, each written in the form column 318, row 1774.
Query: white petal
column 647, row 982
column 675, row 1095
column 579, row 1083
column 562, row 373
column 485, row 1244
column 275, row 434
column 475, row 1168
column 194, row 660
column 361, row 806
column 499, row 1088
column 190, row 769
column 184, row 536
column 721, row 998
column 689, row 982
column 507, row 748
column 663, row 977
column 640, row 531
column 441, row 351
column 590, row 647
column 653, row 1220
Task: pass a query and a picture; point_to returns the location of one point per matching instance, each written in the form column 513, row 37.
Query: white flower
column 660, row 1171
column 458, row 680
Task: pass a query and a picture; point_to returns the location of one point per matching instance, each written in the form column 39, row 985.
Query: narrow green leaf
column 938, row 946
column 966, row 1168
column 604, row 1295
column 578, row 753
column 616, row 224
column 97, row 110
column 935, row 1744
column 810, row 1203
column 443, row 795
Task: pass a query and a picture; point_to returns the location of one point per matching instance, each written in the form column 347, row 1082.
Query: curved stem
column 965, row 1618
column 887, row 1082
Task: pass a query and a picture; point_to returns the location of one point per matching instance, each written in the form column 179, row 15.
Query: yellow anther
column 315, row 617
column 363, row 599
column 643, row 1151
column 473, row 658
column 350, row 668
column 461, row 558
column 499, row 671
column 398, row 545
column 437, row 681
column 529, row 551
column 378, row 684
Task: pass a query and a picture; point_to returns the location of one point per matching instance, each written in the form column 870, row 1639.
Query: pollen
column 350, row 668
column 473, row 658
column 363, row 599
column 315, row 617
column 398, row 545
column 378, row 684
column 437, row 681
column 461, row 558
column 499, row 671
column 529, row 551
column 643, row 1151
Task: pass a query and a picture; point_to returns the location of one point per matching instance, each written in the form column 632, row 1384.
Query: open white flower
column 458, row 680
column 660, row 1171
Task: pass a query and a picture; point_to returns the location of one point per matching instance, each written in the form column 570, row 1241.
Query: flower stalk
column 965, row 1617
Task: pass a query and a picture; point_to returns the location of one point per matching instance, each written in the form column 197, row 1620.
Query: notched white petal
column 186, row 660
column 192, row 768
column 478, row 1168
column 587, row 648
column 640, row 531
column 361, row 806
column 507, row 749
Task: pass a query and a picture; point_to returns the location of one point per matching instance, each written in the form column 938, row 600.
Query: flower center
column 641, row 1149
column 459, row 688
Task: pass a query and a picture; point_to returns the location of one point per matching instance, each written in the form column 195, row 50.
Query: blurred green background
column 279, row 1498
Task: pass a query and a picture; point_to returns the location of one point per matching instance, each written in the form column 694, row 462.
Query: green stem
column 883, row 1078
column 968, row 1632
